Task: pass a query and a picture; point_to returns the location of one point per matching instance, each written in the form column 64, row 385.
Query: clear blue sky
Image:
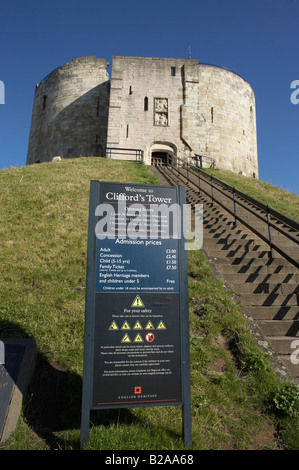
column 258, row 39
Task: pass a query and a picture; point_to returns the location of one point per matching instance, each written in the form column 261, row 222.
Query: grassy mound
column 43, row 232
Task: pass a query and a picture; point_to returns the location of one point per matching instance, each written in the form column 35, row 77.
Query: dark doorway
column 161, row 159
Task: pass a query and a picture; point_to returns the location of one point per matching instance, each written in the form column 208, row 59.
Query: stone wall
column 176, row 107
column 140, row 88
column 219, row 118
column 69, row 115
column 186, row 107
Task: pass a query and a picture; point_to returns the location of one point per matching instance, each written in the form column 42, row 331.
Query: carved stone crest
column 161, row 111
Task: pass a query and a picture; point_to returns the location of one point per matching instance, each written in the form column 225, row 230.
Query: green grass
column 282, row 201
column 44, row 214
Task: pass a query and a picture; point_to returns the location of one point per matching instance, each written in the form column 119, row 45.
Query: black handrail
column 271, row 216
column 255, row 202
column 201, row 158
column 126, row 152
column 268, row 210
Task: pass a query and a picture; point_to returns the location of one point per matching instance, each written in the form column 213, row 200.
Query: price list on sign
column 136, row 321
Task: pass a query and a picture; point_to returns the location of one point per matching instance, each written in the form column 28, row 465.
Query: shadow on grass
column 52, row 405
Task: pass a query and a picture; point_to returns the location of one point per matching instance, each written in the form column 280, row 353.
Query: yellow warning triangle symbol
column 126, row 326
column 161, row 326
column 113, row 326
column 126, row 339
column 138, row 339
column 137, row 326
column 137, row 302
column 149, row 326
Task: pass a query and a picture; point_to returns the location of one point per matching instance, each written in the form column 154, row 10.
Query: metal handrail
column 280, row 217
column 201, row 158
column 127, row 152
column 271, row 216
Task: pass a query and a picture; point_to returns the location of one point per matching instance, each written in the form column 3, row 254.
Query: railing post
column 187, row 171
column 212, row 186
column 199, row 180
column 235, row 206
column 270, row 232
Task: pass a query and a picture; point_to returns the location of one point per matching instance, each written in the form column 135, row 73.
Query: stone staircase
column 268, row 289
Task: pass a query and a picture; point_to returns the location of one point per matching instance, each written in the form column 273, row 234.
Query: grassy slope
column 44, row 212
column 282, row 201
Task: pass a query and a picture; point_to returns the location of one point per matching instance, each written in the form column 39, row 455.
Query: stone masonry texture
column 177, row 107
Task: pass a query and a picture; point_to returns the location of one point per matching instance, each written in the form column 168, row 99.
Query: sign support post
column 89, row 314
column 184, row 307
column 136, row 343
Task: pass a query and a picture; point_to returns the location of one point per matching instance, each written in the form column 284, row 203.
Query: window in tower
column 146, row 103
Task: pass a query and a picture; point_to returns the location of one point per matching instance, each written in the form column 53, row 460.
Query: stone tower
column 178, row 107
column 167, row 108
column 69, row 115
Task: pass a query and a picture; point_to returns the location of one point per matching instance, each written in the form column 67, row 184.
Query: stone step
column 291, row 278
column 283, row 344
column 252, row 265
column 276, row 328
column 273, row 313
column 279, row 300
column 210, row 223
column 260, row 226
column 239, row 253
column 247, row 246
column 231, row 234
column 288, row 362
column 224, row 243
column 265, row 288
column 237, row 247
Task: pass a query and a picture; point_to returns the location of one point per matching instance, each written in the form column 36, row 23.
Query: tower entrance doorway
column 161, row 159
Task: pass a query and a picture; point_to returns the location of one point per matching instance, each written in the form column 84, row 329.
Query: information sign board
column 136, row 350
